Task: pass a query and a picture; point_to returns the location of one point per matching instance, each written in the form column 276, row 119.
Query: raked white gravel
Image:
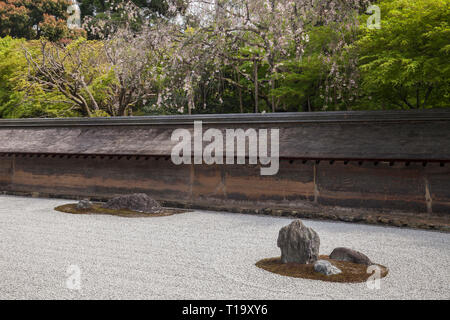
column 197, row 255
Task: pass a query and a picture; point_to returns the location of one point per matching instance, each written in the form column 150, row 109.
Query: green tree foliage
column 281, row 61
column 18, row 97
column 302, row 83
column 405, row 64
column 31, row 19
column 12, row 62
column 77, row 74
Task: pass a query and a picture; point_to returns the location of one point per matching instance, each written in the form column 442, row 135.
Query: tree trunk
column 417, row 98
column 272, row 84
column 256, row 85
column 241, row 105
column 190, row 101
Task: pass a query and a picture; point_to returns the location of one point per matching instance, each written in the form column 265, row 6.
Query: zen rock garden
column 205, row 255
column 300, row 257
column 299, row 244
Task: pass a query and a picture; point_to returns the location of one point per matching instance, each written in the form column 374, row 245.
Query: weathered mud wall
column 366, row 160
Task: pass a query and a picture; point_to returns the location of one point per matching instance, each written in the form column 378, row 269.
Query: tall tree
column 104, row 17
column 261, row 37
column 32, row 19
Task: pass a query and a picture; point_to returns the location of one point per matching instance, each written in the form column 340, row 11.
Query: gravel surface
column 197, row 255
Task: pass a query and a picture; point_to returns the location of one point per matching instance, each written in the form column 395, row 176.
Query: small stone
column 84, row 205
column 350, row 255
column 298, row 243
column 397, row 223
column 347, row 218
column 286, row 213
column 326, row 268
column 278, row 213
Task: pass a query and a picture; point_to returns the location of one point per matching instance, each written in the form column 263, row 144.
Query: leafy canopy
column 405, row 64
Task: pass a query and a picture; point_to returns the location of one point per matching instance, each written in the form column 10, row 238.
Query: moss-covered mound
column 99, row 209
column 351, row 272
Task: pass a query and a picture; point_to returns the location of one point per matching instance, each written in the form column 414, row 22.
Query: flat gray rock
column 350, row 255
column 139, row 202
column 84, row 205
column 298, row 243
column 326, row 268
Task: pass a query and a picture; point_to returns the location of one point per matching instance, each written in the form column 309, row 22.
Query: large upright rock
column 139, row 202
column 350, row 255
column 298, row 243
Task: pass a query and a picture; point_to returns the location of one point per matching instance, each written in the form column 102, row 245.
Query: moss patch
column 351, row 272
column 98, row 209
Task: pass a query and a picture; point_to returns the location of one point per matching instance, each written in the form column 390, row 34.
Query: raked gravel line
column 197, row 255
